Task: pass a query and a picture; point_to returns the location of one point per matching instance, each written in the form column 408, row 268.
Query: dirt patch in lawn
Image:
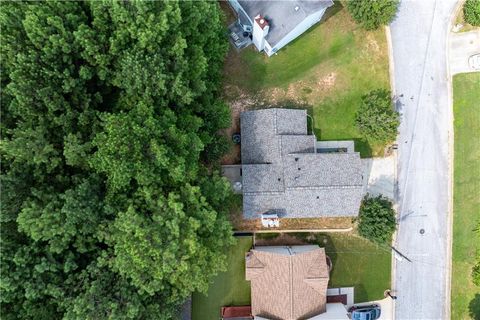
column 316, row 223
column 372, row 44
column 242, row 103
column 228, row 14
column 328, row 81
column 281, row 239
column 306, row 91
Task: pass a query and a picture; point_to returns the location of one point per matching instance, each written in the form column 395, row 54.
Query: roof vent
column 297, row 8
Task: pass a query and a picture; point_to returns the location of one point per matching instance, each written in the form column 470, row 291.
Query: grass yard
column 356, row 262
column 228, row 288
column 466, row 199
column 326, row 70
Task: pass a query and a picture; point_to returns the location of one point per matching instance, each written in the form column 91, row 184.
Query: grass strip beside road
column 466, row 199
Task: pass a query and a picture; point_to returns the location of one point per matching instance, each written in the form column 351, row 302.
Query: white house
column 273, row 24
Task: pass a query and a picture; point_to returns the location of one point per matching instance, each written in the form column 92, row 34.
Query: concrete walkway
column 462, row 46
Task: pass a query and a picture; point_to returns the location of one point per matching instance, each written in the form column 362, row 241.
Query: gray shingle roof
column 281, row 15
column 281, row 171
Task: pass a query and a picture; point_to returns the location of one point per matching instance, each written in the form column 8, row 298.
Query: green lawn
column 356, row 263
column 466, row 199
column 326, row 70
column 228, row 288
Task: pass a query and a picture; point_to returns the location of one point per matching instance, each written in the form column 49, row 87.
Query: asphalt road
column 419, row 40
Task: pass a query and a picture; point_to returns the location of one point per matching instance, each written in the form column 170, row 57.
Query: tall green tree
column 109, row 207
column 371, row 14
column 376, row 220
column 376, row 117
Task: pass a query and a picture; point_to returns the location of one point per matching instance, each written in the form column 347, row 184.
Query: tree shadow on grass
column 330, row 12
column 362, row 146
column 474, row 307
column 360, row 293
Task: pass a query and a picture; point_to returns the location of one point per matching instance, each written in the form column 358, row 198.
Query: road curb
column 391, row 70
column 451, row 141
column 391, row 64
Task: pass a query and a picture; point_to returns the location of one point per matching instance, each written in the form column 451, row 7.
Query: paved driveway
column 462, row 46
column 381, row 176
column 419, row 39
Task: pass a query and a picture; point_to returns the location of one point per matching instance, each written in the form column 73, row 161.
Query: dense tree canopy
column 109, row 109
column 372, row 14
column 376, row 117
column 376, row 220
column 471, row 12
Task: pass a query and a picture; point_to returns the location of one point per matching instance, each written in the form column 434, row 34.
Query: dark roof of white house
column 281, row 171
column 282, row 16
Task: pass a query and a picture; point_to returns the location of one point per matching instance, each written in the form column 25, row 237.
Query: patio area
column 238, row 36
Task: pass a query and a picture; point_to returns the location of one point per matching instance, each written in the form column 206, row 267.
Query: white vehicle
column 474, row 61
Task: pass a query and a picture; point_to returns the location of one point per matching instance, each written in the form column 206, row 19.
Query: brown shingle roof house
column 287, row 282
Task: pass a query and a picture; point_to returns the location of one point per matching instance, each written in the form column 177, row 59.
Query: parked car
column 369, row 312
column 474, row 61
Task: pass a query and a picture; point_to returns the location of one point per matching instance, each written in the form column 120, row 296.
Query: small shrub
column 476, row 273
column 476, row 267
column 376, row 118
column 372, row 14
column 471, row 12
column 377, row 219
